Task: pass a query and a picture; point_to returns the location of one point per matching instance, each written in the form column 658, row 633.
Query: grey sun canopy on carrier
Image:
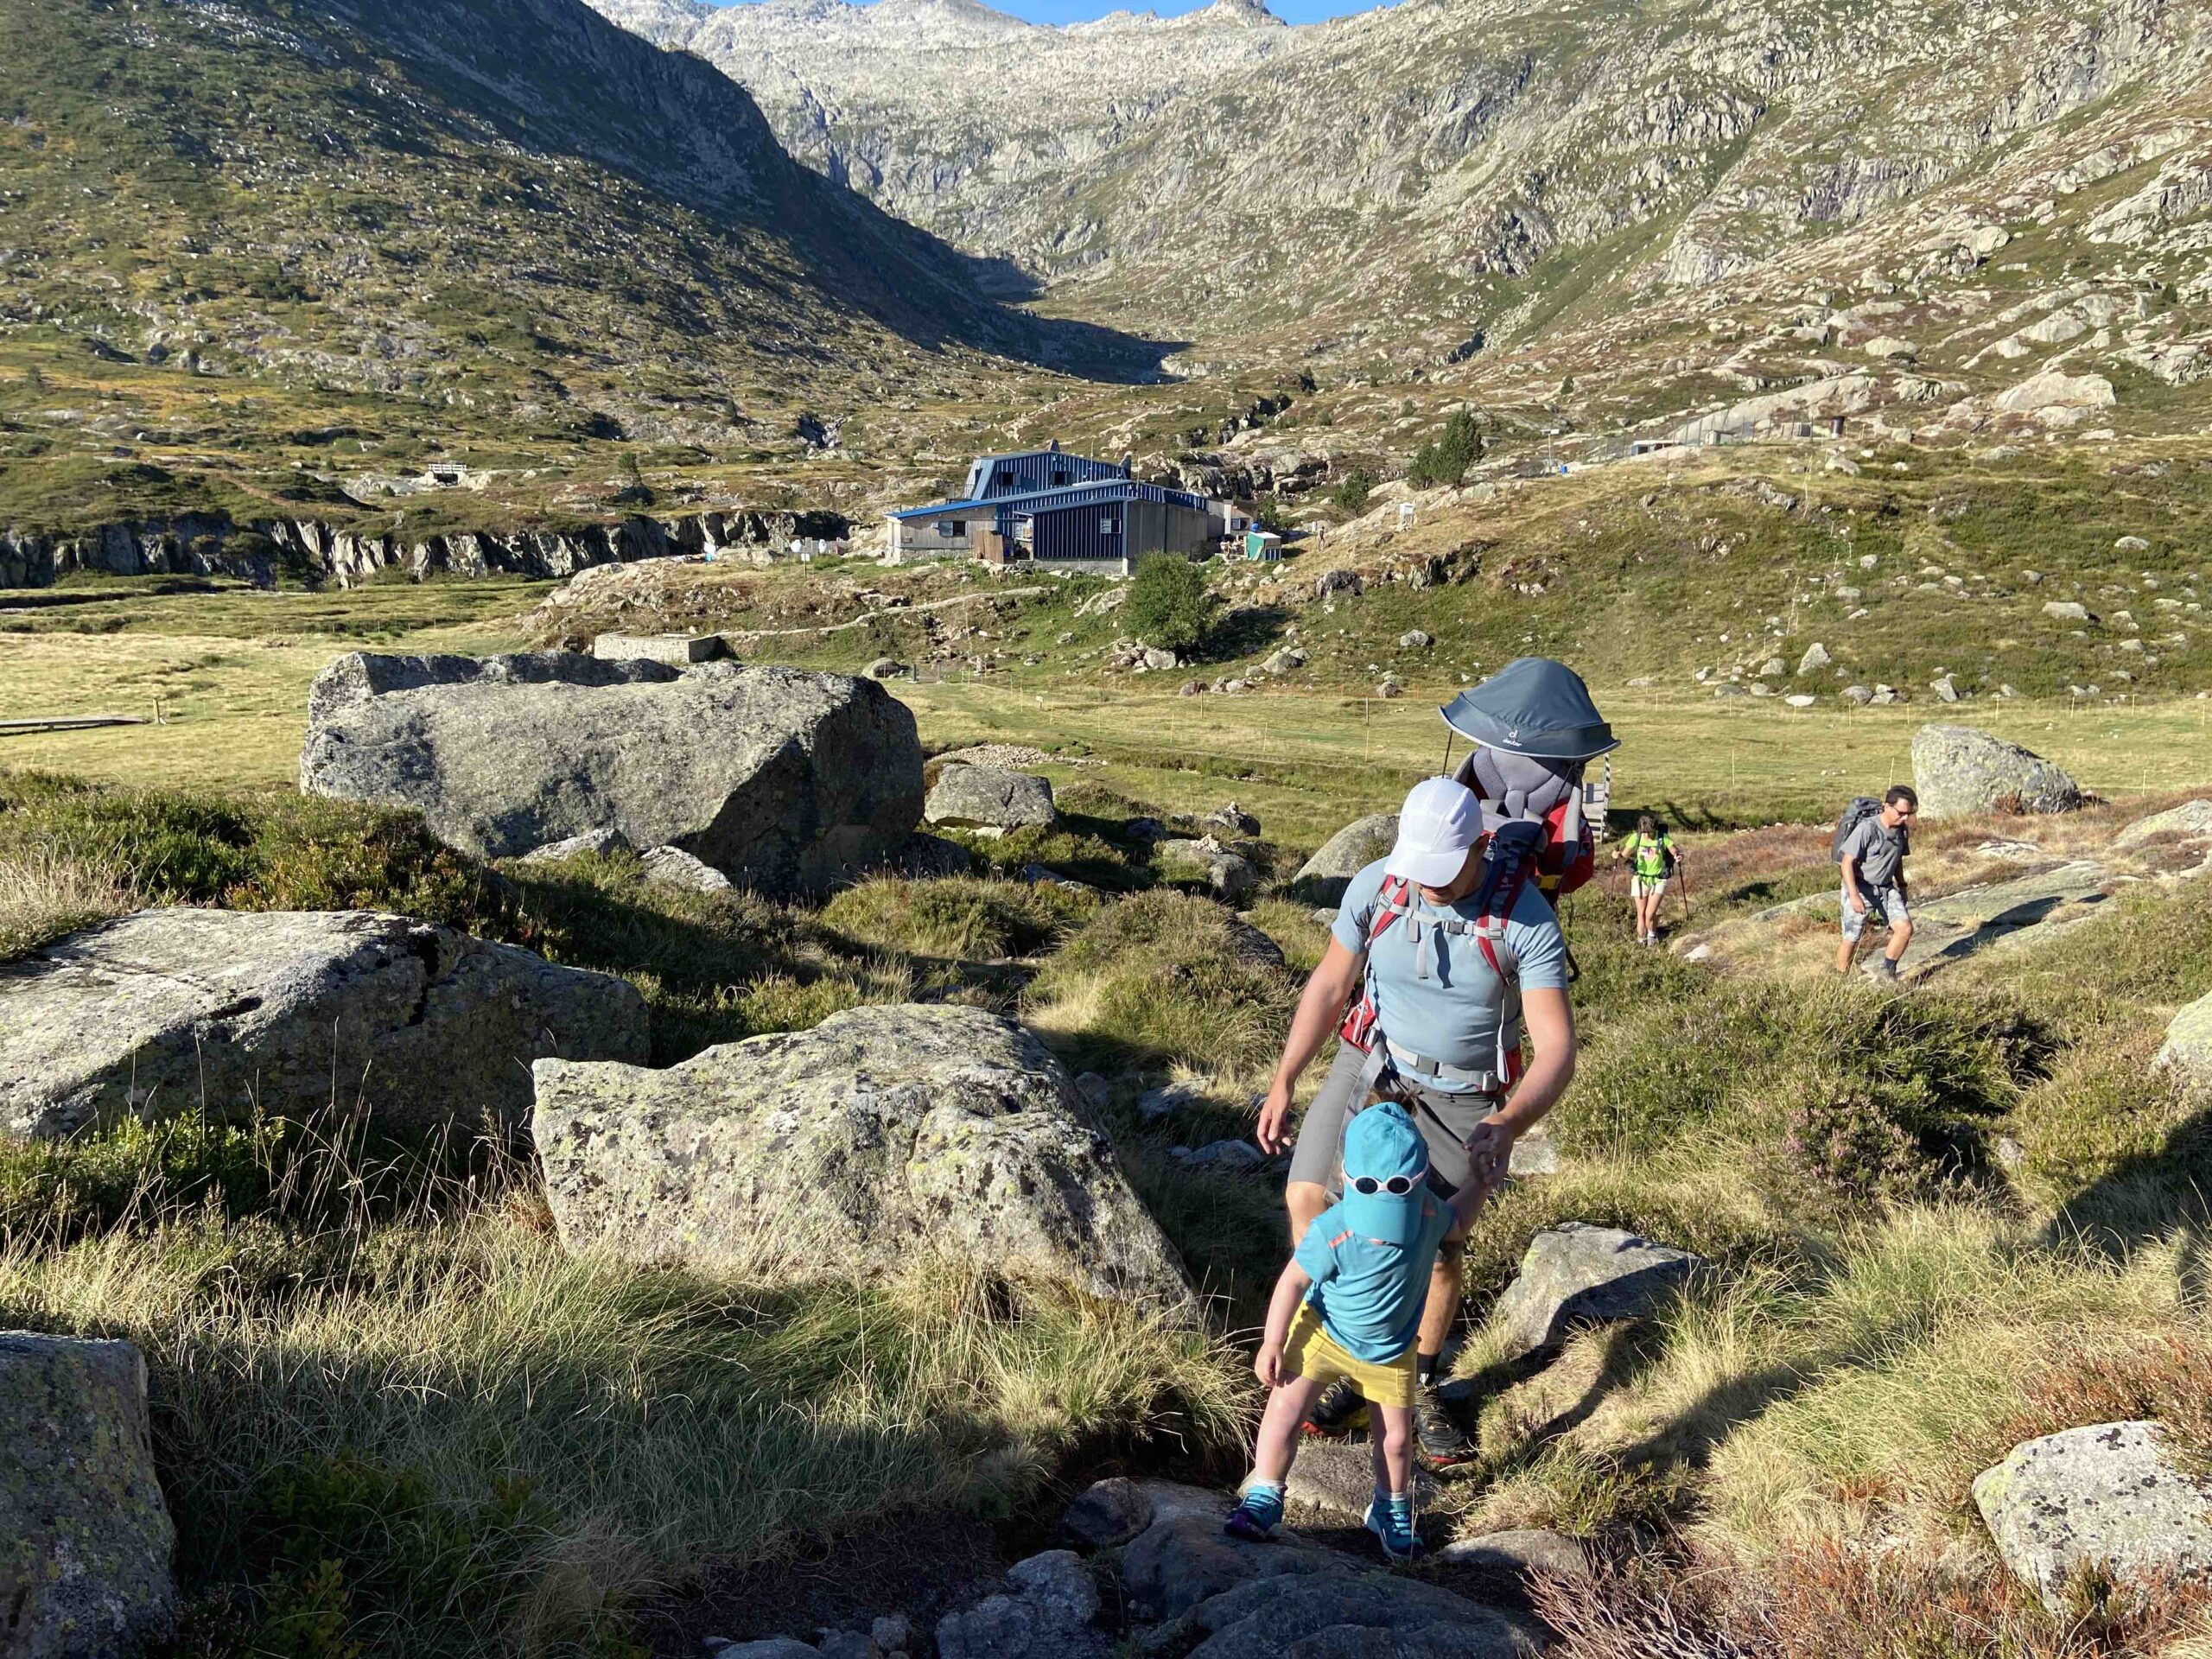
column 1535, row 728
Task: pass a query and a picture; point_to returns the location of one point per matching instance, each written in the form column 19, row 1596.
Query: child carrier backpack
column 1514, row 855
column 1862, row 808
column 1535, row 730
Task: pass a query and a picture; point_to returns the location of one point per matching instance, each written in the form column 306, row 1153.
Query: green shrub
column 1161, row 979
column 1352, row 494
column 1169, row 605
column 960, row 917
column 1446, row 459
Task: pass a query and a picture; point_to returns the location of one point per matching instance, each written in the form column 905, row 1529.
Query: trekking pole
column 1682, row 876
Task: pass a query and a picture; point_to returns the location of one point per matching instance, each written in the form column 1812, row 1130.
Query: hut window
column 952, row 526
column 1108, row 526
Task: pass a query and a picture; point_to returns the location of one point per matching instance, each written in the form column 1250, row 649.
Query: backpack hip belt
column 1422, row 1066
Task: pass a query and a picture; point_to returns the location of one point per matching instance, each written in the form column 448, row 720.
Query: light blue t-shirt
column 1369, row 1294
column 1434, row 993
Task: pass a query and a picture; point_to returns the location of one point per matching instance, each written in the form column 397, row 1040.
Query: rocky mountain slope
column 224, row 226
column 1406, row 182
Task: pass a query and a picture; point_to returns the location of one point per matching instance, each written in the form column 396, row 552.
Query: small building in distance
column 1262, row 546
column 1056, row 511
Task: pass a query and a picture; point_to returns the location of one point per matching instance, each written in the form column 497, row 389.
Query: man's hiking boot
column 1340, row 1410
column 1882, row 971
column 1438, row 1438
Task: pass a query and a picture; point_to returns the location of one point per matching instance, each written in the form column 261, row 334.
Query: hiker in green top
column 1653, row 861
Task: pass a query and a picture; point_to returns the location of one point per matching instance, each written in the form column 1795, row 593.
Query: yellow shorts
column 1311, row 1352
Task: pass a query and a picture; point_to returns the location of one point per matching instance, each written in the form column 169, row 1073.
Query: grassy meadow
column 393, row 1417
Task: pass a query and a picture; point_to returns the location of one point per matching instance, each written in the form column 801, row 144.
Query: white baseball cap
column 1440, row 821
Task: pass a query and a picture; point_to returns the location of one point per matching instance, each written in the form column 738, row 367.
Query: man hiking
column 1871, row 843
column 1653, row 861
column 1454, row 966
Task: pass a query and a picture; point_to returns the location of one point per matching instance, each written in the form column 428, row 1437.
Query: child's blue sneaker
column 1257, row 1514
column 1391, row 1519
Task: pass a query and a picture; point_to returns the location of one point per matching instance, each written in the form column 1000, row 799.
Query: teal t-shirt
column 1369, row 1294
column 1434, row 993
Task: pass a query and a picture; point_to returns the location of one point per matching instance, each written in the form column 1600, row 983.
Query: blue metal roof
column 1064, row 495
column 942, row 506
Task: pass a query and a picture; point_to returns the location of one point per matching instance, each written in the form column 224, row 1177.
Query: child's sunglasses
column 1397, row 1186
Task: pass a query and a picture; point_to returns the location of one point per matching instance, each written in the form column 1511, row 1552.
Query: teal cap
column 1382, row 1145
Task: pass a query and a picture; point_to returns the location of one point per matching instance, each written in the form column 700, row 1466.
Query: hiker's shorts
column 1445, row 1120
column 1646, row 886
column 1311, row 1352
column 1885, row 902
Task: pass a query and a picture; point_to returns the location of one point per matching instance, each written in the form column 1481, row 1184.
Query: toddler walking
column 1348, row 1306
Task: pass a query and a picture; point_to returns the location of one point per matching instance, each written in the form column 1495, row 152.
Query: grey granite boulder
column 2187, row 1051
column 989, row 797
column 2189, row 822
column 85, row 1537
column 1521, row 1550
column 882, row 1133
column 1109, row 1513
column 1958, row 771
column 924, row 857
column 1220, row 1598
column 2106, row 1499
column 673, row 867
column 783, row 780
column 292, row 1013
column 1575, row 1275
column 1337, row 1478
column 1321, row 880
column 1230, row 876
column 1046, row 1613
column 599, row 843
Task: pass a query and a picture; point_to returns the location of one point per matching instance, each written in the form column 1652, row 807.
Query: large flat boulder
column 1322, row 879
column 989, row 797
column 292, row 1013
column 880, row 1136
column 783, row 780
column 85, row 1537
column 1576, row 1275
column 2186, row 825
column 2029, row 908
column 2106, row 1499
column 1958, row 771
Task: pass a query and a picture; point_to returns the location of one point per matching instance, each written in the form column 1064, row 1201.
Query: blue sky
column 1076, row 12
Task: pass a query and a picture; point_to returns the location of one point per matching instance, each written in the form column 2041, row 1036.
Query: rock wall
column 213, row 544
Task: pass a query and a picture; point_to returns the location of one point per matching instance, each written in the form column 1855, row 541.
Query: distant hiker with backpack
column 1653, row 861
column 1442, row 955
column 1873, row 840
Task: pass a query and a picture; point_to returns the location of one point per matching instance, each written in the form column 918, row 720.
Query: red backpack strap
column 1389, row 904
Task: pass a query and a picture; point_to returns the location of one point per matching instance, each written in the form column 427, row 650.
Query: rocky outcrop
column 292, row 1013
column 1958, row 771
column 1046, row 1611
column 783, row 780
column 2187, row 1051
column 2106, row 1499
column 213, row 544
column 1224, row 1598
column 1229, row 875
column 1322, row 879
column 1575, row 1275
column 2189, row 823
column 881, row 1135
column 85, row 1537
column 986, row 797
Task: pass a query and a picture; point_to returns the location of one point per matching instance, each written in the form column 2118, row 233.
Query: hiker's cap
column 1382, row 1148
column 1440, row 821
